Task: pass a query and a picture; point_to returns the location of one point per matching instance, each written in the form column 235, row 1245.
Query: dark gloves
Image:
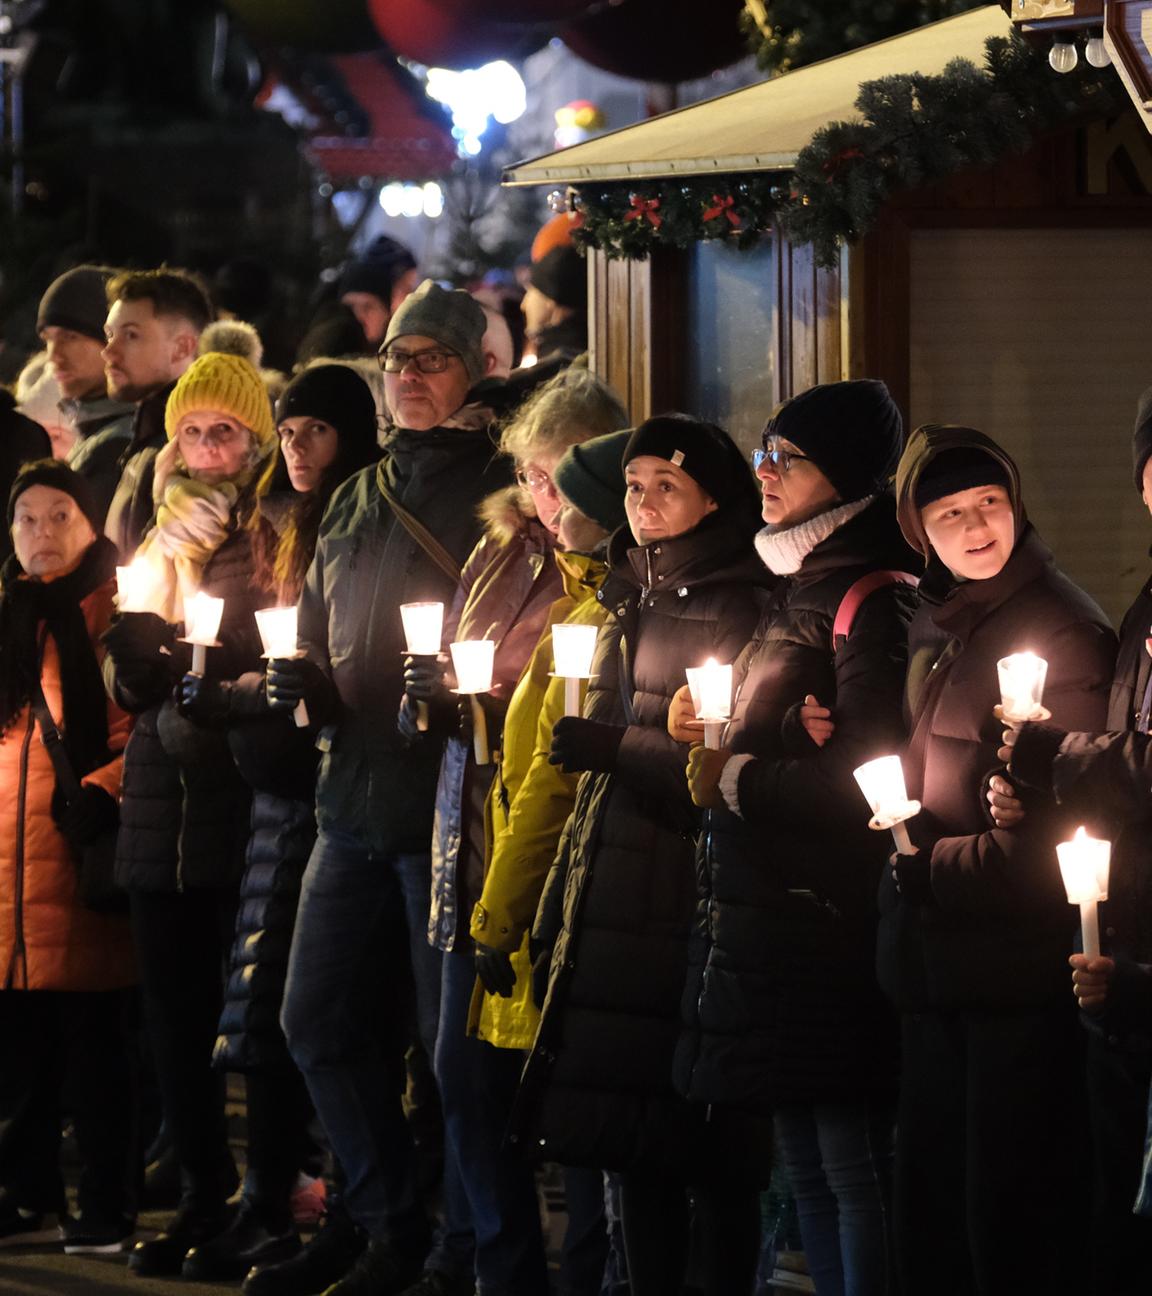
column 913, row 877
column 494, row 968
column 291, row 680
column 494, row 711
column 138, row 637
column 424, row 687
column 92, row 812
column 579, row 744
column 215, row 703
column 424, row 679
column 1034, row 755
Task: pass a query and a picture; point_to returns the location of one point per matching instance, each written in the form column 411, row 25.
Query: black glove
column 579, row 744
column 291, row 680
column 92, row 812
column 215, row 703
column 138, row 637
column 494, row 968
column 424, row 679
column 913, row 877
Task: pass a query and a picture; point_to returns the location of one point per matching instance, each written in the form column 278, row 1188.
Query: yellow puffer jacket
column 528, row 805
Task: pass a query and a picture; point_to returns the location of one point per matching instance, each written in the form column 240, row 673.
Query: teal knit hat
column 591, row 477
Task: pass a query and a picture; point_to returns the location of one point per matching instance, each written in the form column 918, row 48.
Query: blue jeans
column 839, row 1160
column 359, row 943
column 477, row 1086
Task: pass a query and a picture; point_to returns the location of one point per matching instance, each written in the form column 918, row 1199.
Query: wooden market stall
column 1013, row 297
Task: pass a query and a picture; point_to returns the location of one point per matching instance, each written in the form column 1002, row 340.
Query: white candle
column 573, row 647
column 472, row 660
column 133, row 584
column 1084, row 865
column 1022, row 677
column 278, row 634
column 882, row 782
column 711, row 689
column 423, row 626
column 202, row 615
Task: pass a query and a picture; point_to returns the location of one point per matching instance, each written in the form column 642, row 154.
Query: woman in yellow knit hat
column 185, row 808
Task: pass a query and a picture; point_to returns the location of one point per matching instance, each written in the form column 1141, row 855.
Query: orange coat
column 48, row 940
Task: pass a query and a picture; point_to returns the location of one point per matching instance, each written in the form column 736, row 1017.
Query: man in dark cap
column 555, row 306
column 374, row 285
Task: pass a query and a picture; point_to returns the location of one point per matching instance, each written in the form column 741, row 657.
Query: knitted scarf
column 783, row 550
column 30, row 608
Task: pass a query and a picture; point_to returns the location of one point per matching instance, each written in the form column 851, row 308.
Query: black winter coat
column 781, row 1003
column 998, row 931
column 184, row 813
column 597, row 1088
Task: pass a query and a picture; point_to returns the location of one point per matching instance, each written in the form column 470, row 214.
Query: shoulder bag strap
column 419, row 532
column 50, row 736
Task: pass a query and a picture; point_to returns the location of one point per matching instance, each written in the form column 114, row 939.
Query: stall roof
column 762, row 127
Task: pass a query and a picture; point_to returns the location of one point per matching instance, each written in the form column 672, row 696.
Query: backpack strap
column 855, row 595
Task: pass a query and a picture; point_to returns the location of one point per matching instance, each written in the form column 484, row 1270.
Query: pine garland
column 915, row 129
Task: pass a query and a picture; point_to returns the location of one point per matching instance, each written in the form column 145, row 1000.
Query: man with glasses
column 391, row 535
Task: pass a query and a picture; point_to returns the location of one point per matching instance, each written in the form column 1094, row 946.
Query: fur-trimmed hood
column 506, row 514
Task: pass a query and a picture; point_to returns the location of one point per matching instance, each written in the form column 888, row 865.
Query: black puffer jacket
column 781, row 1003
column 597, row 1088
column 184, row 813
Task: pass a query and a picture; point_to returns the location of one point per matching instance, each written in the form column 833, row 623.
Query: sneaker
column 327, row 1257
column 247, row 1241
column 164, row 1254
column 27, row 1228
column 435, row 1282
column 90, row 1234
column 307, row 1203
column 382, row 1270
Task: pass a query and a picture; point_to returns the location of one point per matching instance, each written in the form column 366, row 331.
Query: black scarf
column 25, row 605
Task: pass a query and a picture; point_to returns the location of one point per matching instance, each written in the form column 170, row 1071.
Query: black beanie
column 957, row 470
column 562, row 276
column 338, row 396
column 77, row 300
column 383, row 262
column 591, row 476
column 852, row 431
column 56, row 475
column 705, row 452
column 1142, row 438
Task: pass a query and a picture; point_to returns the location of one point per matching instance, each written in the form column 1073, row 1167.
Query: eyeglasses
column 535, row 480
column 427, row 362
column 781, row 460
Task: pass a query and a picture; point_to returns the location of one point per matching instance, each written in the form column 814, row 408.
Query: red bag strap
column 855, row 595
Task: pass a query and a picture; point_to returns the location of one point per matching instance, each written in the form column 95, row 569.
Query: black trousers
column 75, row 1053
column 992, row 1183
column 1118, row 1086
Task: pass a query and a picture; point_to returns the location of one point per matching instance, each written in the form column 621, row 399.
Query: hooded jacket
column 998, row 929
column 597, row 1088
column 780, row 1004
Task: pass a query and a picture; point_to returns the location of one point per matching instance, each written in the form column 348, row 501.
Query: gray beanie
column 448, row 316
column 77, row 300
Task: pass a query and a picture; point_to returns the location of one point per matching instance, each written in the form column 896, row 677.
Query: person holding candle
column 975, row 925
column 782, row 1013
column 393, row 533
column 508, row 589
column 68, row 972
column 597, row 1088
column 185, row 811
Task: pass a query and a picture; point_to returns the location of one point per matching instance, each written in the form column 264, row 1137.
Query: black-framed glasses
column 781, row 460
column 430, row 361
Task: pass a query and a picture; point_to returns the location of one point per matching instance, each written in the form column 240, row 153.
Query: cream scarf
column 783, row 551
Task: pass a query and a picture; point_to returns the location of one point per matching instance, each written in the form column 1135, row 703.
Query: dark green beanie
column 591, row 477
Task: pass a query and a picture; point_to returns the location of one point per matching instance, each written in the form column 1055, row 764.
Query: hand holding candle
column 472, row 660
column 882, row 782
column 573, row 647
column 711, row 686
column 1084, row 866
column 423, row 629
column 1022, row 677
column 278, row 634
column 202, row 615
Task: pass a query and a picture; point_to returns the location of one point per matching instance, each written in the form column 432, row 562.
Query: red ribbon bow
column 645, row 209
column 722, row 206
column 845, row 155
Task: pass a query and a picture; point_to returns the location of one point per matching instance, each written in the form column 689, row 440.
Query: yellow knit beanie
column 223, row 384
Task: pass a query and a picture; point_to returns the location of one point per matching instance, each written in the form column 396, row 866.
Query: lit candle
column 133, row 584
column 1022, row 678
column 423, row 628
column 472, row 661
column 711, row 689
column 573, row 647
column 202, row 615
column 1084, row 866
column 882, row 782
column 278, row 634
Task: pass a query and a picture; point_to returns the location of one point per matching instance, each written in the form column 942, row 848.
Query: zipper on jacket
column 19, row 948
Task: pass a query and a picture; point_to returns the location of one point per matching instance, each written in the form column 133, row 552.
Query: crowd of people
column 447, row 936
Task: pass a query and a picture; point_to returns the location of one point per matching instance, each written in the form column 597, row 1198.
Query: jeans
column 477, row 1086
column 839, row 1159
column 358, row 951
